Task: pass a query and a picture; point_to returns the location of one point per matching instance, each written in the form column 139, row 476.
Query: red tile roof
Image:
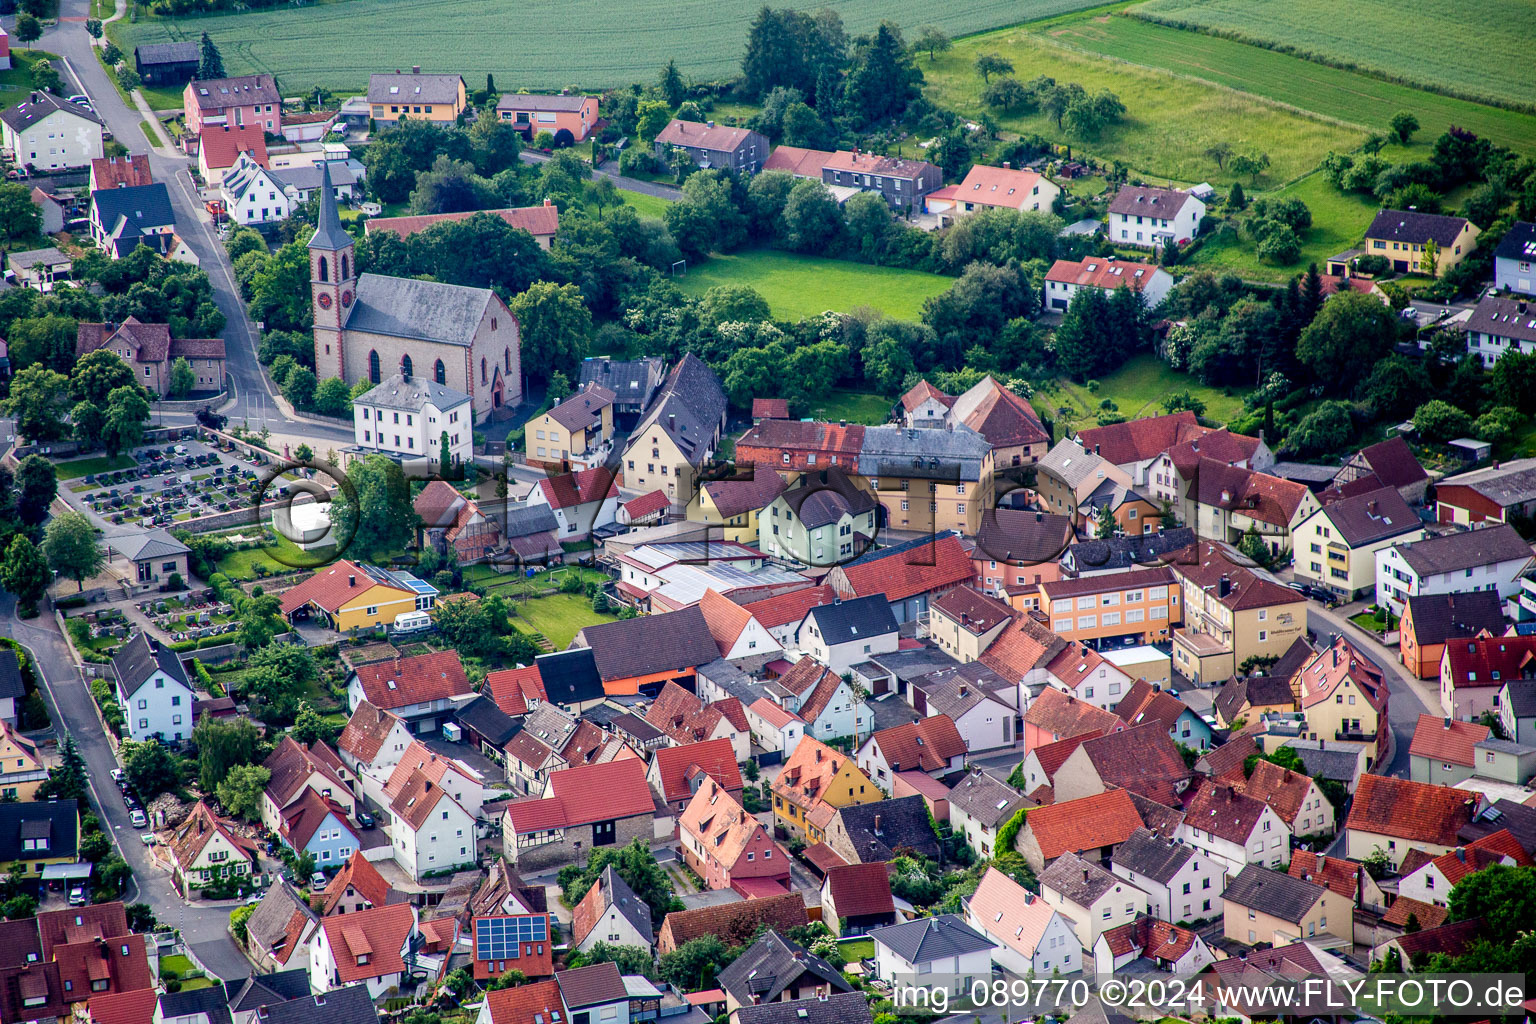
column 571, row 489
column 403, row 681
column 783, row 609
column 770, row 408
column 134, row 1007
column 1445, row 739
column 1143, row 439
column 366, row 731
column 1260, row 496
column 1223, row 810
column 698, row 135
column 773, row 714
column 198, row 830
column 1065, row 716
column 1499, row 847
column 647, row 505
column 223, row 144
column 1283, row 790
column 803, row 163
column 122, row 171
column 1102, row 272
column 725, row 618
column 122, row 963
column 807, row 771
column 514, row 688
column 594, row 792
column 927, row 744
column 538, row 221
column 331, row 587
column 1006, row 187
column 718, row 823
column 378, row 933
column 1489, row 660
column 927, row 567
column 1021, row 648
column 1003, row 418
column 1222, row 445
column 1427, row 914
column 1415, row 811
column 1142, row 703
column 1338, row 874
column 360, row 876
column 716, row 758
column 860, row 890
column 976, row 612
column 77, row 924
column 535, row 1003
column 921, row 392
column 1328, row 670
column 1105, row 819
column 1052, row 756
column 305, row 815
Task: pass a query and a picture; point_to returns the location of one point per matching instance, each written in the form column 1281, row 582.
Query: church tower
column 332, row 286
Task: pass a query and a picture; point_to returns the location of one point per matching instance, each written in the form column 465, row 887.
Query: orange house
column 645, row 653
column 532, row 114
column 1017, row 550
column 1143, row 603
column 1431, row 619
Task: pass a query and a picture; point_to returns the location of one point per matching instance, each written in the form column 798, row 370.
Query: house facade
column 901, row 183
column 712, row 146
column 405, row 418
column 244, row 100
column 154, row 691
column 1430, row 243
column 396, row 97
column 1105, row 273
column 1149, row 218
column 532, row 114
column 47, row 133
column 1488, row 558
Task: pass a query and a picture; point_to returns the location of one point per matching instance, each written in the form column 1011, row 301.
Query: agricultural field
column 1137, row 389
column 578, row 43
column 1486, row 56
column 801, row 286
column 1339, row 220
column 1329, row 91
column 1170, row 119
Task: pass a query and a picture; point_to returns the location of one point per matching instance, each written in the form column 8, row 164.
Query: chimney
column 1085, row 874
column 1007, row 165
column 1224, row 587
column 351, row 581
column 1095, row 449
column 415, row 69
column 1446, row 722
column 549, row 202
column 1321, row 860
column 1461, row 854
column 877, row 823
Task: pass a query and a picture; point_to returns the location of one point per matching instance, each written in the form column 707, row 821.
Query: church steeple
column 330, row 235
column 331, row 283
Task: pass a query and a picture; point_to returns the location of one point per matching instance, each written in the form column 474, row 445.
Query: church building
column 369, row 327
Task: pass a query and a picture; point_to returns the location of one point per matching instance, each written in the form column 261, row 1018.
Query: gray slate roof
column 689, row 407
column 55, row 819
column 1522, row 697
column 1153, row 856
column 1518, row 243
column 265, row 989
column 48, row 256
column 772, row 964
column 348, row 1005
column 215, row 94
column 403, row 307
column 24, row 115
column 986, row 800
column 168, row 53
column 930, row 938
column 1329, row 762
column 1439, row 617
column 1069, row 461
column 525, row 520
column 150, row 544
column 136, row 662
column 1280, row 895
column 1081, row 881
column 536, row 102
column 211, row 1001
column 838, row 1008
column 395, row 392
column 1509, row 483
column 312, row 177
column 632, row 382
column 618, row 894
column 1464, row 549
column 939, row 453
column 329, row 235
column 11, row 684
column 413, row 88
column 142, row 206
column 856, row 619
column 1416, row 227
column 904, row 822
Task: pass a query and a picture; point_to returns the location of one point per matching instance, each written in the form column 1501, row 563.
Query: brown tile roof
column 873, row 163
column 1269, row 499
column 378, row 933
column 715, row 758
column 538, row 221
column 417, row 798
column 1445, row 739
column 366, row 731
column 1414, row 226
column 976, row 612
column 647, row 504
column 1283, row 790
column 753, row 491
column 196, row 832
column 403, row 681
column 860, row 890
column 122, row 171
column 584, row 408
column 807, row 771
column 1142, row 759
column 514, row 688
column 1330, row 668
column 803, row 163
column 1451, row 939
column 1372, row 516
column 1005, row 419
column 1023, row 537
column 784, row 609
column 571, row 489
column 771, row 408
column 535, row 1003
column 921, row 392
column 77, row 924
column 1394, row 463
column 1064, row 716
column 292, row 763
column 151, row 343
column 1222, row 809
column 720, row 824
column 1143, row 703
column 1436, row 618
column 1143, row 439
column 305, row 815
column 1205, row 564
column 1092, row 822
column 1338, row 874
column 698, row 135
column 927, row 744
column 121, row 963
column 215, row 94
column 1149, row 201
column 1427, row 914
column 686, row 719
column 1157, row 940
column 1021, row 648
column 1415, row 811
column 360, row 876
column 827, row 683
column 734, row 923
column 899, row 573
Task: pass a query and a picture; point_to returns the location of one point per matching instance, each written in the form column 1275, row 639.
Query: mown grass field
column 559, row 616
column 1329, row 91
column 586, row 43
column 16, row 81
column 1138, row 389
column 76, row 468
column 645, row 205
column 800, row 286
column 855, row 407
column 1170, row 120
column 1478, row 50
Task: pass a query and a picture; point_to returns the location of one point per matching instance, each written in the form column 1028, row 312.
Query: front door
column 603, row 833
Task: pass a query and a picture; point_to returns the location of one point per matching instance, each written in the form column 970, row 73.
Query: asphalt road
column 204, row 928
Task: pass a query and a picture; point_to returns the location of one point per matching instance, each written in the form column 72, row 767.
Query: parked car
column 255, row 898
column 137, row 819
column 317, row 880
column 77, row 896
column 365, row 819
column 118, row 775
column 148, row 839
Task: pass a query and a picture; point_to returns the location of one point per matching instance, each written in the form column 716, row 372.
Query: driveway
column 204, row 929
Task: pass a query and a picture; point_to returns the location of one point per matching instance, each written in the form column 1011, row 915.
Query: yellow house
column 204, row 849
column 733, row 504
column 678, row 434
column 929, row 479
column 1264, row 906
column 1405, row 237
column 352, row 595
column 1335, row 546
column 1231, row 613
column 814, row 782
column 396, row 97
column 1343, row 697
column 35, row 835
column 574, row 434
column 21, row 770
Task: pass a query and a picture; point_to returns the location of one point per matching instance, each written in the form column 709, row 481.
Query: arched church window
column 482, row 370
column 405, row 366
column 440, row 372
column 373, row 366
column 345, row 269
column 506, row 355
column 325, row 269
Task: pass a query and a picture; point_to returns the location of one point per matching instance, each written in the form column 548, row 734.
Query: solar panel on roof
column 500, row 938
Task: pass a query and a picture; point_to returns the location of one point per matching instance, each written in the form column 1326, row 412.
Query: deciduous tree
column 24, row 572
column 72, row 547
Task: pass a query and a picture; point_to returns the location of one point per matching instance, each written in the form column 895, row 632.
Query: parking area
column 168, row 485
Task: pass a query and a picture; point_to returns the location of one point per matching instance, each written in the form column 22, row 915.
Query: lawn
column 241, row 565
column 162, row 97
column 1170, row 120
column 1138, row 389
column 645, row 205
column 580, row 43
column 800, row 286
column 855, row 407
column 180, row 966
column 559, row 616
column 1339, row 220
column 857, row 949
column 76, row 468
column 16, row 81
column 1375, row 620
column 1482, row 57
column 1332, row 92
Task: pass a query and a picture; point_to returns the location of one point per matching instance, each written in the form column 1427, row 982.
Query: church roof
column 403, row 307
column 330, row 235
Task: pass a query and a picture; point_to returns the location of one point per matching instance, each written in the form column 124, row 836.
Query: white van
column 411, row 622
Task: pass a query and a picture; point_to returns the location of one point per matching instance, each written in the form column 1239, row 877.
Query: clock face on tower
column 325, row 300
column 346, row 299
